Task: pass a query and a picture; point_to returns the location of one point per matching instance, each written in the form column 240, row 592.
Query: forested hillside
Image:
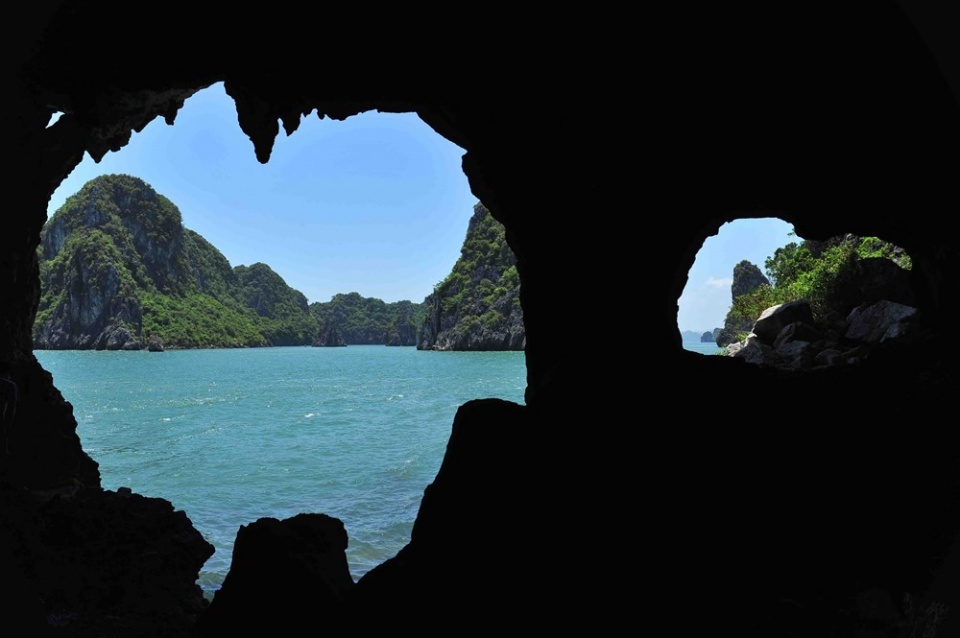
column 119, row 271
column 117, row 267
column 354, row 319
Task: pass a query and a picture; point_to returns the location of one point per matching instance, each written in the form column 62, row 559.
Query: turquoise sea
column 702, row 348
column 229, row 436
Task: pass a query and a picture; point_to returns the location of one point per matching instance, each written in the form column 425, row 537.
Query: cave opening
column 54, row 117
column 705, row 301
column 355, row 432
column 760, row 292
column 822, row 147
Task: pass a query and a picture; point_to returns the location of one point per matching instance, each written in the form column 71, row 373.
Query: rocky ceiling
column 640, row 483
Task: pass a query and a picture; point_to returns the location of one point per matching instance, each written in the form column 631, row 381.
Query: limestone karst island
column 118, row 271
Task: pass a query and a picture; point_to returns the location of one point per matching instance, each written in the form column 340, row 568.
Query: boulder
column 880, row 321
column 775, row 318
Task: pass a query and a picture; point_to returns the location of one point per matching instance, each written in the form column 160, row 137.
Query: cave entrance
column 836, row 299
column 230, row 435
column 706, row 298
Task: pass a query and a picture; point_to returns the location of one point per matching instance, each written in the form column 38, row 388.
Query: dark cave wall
column 609, row 165
column 804, row 131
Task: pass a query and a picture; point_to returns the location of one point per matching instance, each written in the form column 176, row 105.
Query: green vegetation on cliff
column 366, row 320
column 477, row 306
column 118, row 268
column 830, row 275
column 282, row 312
column 199, row 321
column 747, row 277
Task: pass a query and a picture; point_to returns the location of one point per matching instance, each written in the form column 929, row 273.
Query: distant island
column 118, row 271
column 693, row 336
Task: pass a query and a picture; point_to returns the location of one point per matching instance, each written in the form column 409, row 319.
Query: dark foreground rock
column 284, row 575
column 91, row 562
column 456, row 554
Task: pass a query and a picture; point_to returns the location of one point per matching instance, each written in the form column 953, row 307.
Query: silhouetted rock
column 103, row 563
column 284, row 576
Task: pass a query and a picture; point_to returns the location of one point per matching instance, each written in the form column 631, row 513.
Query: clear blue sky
column 376, row 204
column 706, row 298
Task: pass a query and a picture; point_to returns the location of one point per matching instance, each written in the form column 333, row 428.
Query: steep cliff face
column 747, row 277
column 403, row 330
column 284, row 315
column 112, row 241
column 477, row 307
column 329, row 337
column 144, row 226
column 118, row 268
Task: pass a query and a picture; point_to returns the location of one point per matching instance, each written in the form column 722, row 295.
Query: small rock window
column 818, row 303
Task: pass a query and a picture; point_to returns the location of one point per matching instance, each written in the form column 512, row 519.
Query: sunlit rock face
column 609, row 164
column 746, row 278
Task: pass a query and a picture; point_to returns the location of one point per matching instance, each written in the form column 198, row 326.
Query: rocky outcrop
column 283, row 575
column 402, row 333
column 111, row 240
column 93, row 563
column 477, row 307
column 329, row 336
column 787, row 337
column 869, row 308
column 117, row 263
column 284, row 316
column 367, row 320
column 706, row 337
column 91, row 301
column 746, row 278
column 453, row 331
column 142, row 224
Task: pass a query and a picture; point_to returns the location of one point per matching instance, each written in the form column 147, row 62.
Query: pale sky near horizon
column 706, row 298
column 376, row 204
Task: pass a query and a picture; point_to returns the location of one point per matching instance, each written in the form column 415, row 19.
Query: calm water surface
column 701, row 347
column 230, row 436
